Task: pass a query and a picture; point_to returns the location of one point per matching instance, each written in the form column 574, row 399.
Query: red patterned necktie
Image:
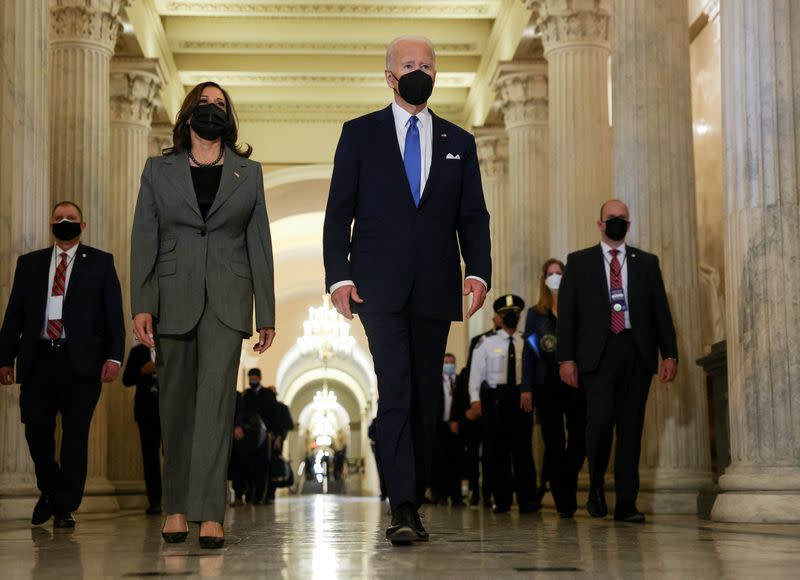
column 56, row 327
column 617, row 317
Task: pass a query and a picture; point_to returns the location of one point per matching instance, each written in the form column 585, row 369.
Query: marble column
column 492, row 143
column 576, row 46
column 761, row 120
column 24, row 207
column 522, row 88
column 160, row 138
column 82, row 38
column 134, row 84
column 654, row 174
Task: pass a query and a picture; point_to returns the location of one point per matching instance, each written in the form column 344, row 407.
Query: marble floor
column 334, row 537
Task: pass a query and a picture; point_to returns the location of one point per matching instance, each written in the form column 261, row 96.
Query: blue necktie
column 412, row 159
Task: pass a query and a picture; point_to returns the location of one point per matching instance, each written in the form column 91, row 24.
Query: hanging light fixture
column 326, row 333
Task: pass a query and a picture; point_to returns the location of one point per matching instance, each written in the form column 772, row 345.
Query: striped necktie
column 55, row 328
column 617, row 317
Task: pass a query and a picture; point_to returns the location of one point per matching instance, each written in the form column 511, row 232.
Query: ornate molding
column 86, row 21
column 160, row 138
column 492, row 145
column 305, row 8
column 565, row 22
column 711, row 9
column 134, row 85
column 233, row 79
column 322, row 113
column 265, row 47
column 522, row 89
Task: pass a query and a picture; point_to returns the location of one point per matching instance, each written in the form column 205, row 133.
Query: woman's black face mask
column 209, row 121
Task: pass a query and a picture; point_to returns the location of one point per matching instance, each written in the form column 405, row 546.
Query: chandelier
column 326, row 332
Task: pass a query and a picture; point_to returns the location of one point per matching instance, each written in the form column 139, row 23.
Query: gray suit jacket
column 177, row 259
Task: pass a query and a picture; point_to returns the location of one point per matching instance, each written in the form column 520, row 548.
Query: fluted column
column 134, row 86
column 24, row 207
column 492, row 145
column 654, row 174
column 160, row 138
column 575, row 38
column 82, row 38
column 522, row 88
column 761, row 121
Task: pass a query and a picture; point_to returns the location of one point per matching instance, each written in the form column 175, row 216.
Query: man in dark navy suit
column 409, row 183
column 64, row 327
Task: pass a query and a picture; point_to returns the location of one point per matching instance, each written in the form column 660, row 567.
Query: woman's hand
column 143, row 329
column 526, row 402
column 265, row 338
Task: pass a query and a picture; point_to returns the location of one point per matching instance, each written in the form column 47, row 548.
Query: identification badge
column 55, row 307
column 618, row 303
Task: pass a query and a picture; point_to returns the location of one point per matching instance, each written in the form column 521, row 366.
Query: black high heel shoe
column 211, row 542
column 175, row 537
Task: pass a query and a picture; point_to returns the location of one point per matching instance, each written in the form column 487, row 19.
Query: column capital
column 492, row 144
column 522, row 88
column 134, row 87
column 93, row 22
column 160, row 138
column 572, row 22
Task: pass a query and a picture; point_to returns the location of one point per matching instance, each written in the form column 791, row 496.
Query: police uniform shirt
column 490, row 362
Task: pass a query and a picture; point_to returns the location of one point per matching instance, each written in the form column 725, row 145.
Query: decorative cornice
column 492, row 145
column 134, row 86
column 562, row 23
column 484, row 9
column 233, row 79
column 322, row 113
column 522, row 88
column 266, row 47
column 94, row 22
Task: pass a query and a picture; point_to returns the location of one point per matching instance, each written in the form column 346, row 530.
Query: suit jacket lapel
column 600, row 271
column 42, row 280
column 632, row 261
column 232, row 177
column 180, row 176
column 393, row 153
column 439, row 140
column 76, row 276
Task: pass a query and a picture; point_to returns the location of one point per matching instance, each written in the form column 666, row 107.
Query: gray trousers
column 197, row 377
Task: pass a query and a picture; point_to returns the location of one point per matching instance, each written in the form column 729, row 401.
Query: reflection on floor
column 339, row 537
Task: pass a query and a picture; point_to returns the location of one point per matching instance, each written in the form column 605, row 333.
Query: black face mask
column 66, row 231
column 415, row 87
column 209, row 121
column 511, row 319
column 616, row 229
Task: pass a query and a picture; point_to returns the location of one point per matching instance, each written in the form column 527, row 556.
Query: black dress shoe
column 475, row 499
column 43, row 510
column 501, row 509
column 211, row 542
column 597, row 506
column 458, row 503
column 568, row 515
column 63, row 520
column 419, row 529
column 530, row 507
column 403, row 530
column 632, row 516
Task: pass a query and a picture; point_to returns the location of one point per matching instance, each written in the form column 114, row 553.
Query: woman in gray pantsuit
column 200, row 253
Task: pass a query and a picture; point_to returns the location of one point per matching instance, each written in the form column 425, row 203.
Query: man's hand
column 265, row 338
column 110, row 372
column 341, row 300
column 454, row 427
column 669, row 368
column 6, row 375
column 143, row 329
column 148, row 368
column 569, row 373
column 478, row 291
column 276, row 444
column 526, row 402
column 474, row 411
column 238, row 433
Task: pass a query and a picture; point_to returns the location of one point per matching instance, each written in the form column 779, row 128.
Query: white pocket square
column 451, row 156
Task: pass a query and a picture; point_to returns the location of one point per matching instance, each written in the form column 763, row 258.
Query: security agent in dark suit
column 282, row 424
column 64, row 327
column 494, row 389
column 140, row 370
column 448, row 450
column 614, row 318
column 259, row 413
column 408, row 182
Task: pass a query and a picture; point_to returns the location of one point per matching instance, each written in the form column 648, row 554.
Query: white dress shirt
column 55, row 259
column 622, row 257
column 425, row 126
column 490, row 362
column 448, row 396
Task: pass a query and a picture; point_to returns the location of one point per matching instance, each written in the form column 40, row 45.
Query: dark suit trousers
column 562, row 414
column 472, row 432
column 448, row 462
column 408, row 351
column 150, row 436
column 616, row 396
column 509, row 446
column 51, row 387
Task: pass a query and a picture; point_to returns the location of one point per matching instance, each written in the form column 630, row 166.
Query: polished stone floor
column 330, row 537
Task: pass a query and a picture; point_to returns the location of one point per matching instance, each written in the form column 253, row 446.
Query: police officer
column 497, row 365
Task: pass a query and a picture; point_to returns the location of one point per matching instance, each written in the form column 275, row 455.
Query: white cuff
column 338, row 285
column 116, row 362
column 479, row 279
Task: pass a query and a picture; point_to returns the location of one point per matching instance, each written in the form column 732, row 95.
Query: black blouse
column 206, row 183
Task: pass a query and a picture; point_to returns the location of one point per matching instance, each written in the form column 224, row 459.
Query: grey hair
column 393, row 45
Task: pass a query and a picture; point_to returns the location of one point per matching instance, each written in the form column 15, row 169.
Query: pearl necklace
column 212, row 164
